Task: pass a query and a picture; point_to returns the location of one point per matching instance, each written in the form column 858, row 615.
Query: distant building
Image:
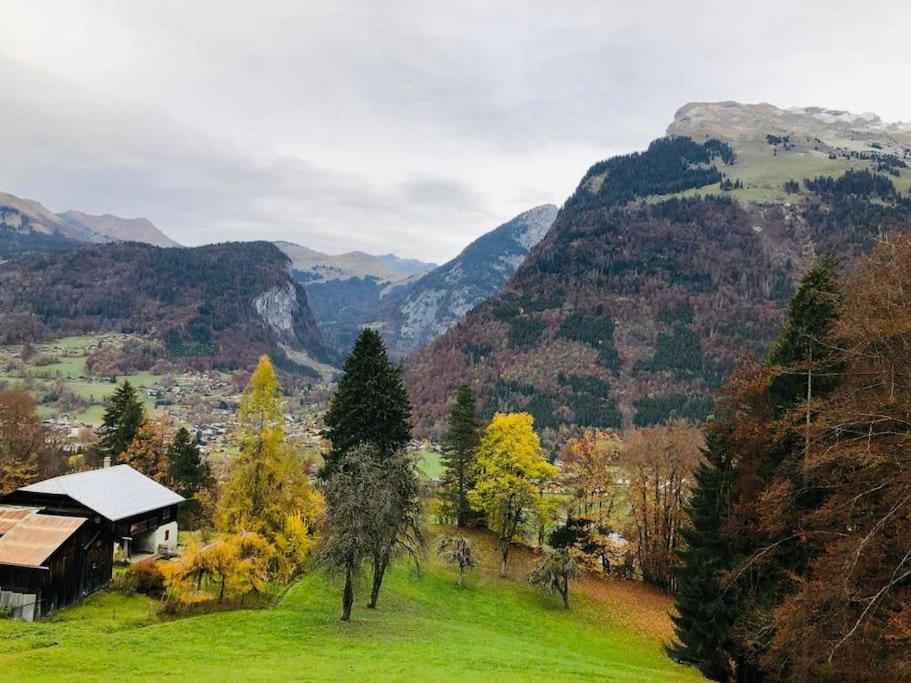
column 57, row 537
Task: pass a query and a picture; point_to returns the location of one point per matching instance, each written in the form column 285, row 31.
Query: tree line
column 797, row 564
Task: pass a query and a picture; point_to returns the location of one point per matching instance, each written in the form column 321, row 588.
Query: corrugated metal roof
column 35, row 538
column 10, row 516
column 114, row 492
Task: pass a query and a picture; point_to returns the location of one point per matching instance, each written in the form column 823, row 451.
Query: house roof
column 34, row 538
column 10, row 516
column 114, row 492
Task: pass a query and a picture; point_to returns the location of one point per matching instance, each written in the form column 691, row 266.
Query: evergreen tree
column 370, row 404
column 459, row 447
column 123, row 418
column 188, row 472
column 705, row 612
column 803, row 352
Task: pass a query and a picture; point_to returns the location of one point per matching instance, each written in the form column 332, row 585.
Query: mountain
column 407, row 267
column 315, row 266
column 114, row 228
column 412, row 312
column 425, row 309
column 665, row 266
column 217, row 306
column 27, row 226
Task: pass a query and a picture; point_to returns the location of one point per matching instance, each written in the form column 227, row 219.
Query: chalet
column 57, row 537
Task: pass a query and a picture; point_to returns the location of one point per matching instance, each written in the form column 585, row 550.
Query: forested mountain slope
column 412, row 312
column 216, row 306
column 665, row 266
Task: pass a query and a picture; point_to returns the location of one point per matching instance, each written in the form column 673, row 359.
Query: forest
column 198, row 302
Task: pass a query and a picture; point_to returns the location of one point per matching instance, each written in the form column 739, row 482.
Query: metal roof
column 114, row 492
column 10, row 516
column 35, row 538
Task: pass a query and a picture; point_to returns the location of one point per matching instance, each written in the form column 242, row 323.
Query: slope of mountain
column 412, row 312
column 667, row 265
column 27, row 226
column 425, row 309
column 215, row 306
column 407, row 267
column 315, row 266
column 114, row 228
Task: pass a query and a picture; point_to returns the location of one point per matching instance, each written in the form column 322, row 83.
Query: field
column 68, row 372
column 426, row 629
column 763, row 174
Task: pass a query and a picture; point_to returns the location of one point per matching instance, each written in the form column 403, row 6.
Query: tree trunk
column 221, row 593
column 504, row 555
column 347, row 595
column 564, row 593
column 460, row 520
column 379, row 569
column 461, row 574
column 806, row 446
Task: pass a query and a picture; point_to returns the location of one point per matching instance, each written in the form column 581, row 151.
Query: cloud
column 398, row 126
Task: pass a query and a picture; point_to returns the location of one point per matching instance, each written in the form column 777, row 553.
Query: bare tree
column 457, row 551
column 659, row 462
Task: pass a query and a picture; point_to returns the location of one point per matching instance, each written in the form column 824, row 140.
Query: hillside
column 215, row 306
column 26, row 226
column 666, row 265
column 412, row 312
column 425, row 629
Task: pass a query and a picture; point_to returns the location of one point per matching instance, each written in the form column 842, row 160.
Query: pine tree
column 803, row 349
column 123, row 418
column 188, row 473
column 459, row 447
column 370, row 404
column 705, row 613
column 189, row 476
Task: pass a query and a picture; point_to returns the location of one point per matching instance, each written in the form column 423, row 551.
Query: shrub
column 147, row 578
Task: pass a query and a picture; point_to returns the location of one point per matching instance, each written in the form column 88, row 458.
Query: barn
column 57, row 537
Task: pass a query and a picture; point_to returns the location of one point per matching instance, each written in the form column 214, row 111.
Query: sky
column 393, row 126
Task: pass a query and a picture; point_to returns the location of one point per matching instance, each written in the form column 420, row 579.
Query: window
column 167, row 534
column 166, row 515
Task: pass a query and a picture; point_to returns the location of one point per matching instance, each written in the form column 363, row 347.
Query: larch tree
column 511, row 472
column 123, row 417
column 266, row 480
column 460, row 444
column 846, row 613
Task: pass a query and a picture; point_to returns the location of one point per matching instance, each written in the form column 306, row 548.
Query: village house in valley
column 57, row 537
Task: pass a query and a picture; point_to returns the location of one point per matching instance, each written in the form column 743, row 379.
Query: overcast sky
column 387, row 126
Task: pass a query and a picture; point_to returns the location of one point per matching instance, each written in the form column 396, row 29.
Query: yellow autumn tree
column 148, row 451
column 267, row 490
column 511, row 473
column 234, row 566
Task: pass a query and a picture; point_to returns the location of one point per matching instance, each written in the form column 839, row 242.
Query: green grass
column 426, row 629
column 430, row 463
